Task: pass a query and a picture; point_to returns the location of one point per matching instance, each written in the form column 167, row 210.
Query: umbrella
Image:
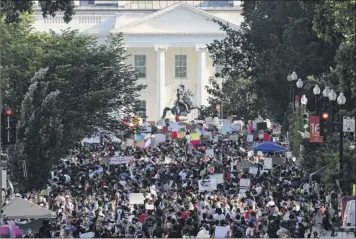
column 269, row 147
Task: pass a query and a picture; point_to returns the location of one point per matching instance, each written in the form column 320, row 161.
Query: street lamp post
column 341, row 100
column 299, row 87
column 291, row 78
column 316, row 92
column 329, row 97
column 326, row 93
column 304, row 100
column 332, row 97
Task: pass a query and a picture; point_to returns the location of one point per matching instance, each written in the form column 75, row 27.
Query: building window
column 141, row 109
column 140, row 65
column 218, row 70
column 180, row 66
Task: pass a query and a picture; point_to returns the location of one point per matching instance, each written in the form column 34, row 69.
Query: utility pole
column 1, row 199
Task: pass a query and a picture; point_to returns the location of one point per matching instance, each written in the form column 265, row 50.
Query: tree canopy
column 63, row 87
column 275, row 39
column 314, row 38
column 12, row 9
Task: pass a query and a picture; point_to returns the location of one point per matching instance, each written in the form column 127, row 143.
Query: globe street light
column 289, row 78
column 294, row 76
column 341, row 99
column 332, row 95
column 299, row 83
column 316, row 90
column 326, row 92
column 304, row 100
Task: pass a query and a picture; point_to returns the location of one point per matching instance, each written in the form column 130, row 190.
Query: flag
column 140, row 140
column 194, row 138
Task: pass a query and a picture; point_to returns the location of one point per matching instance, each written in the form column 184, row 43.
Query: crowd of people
column 94, row 198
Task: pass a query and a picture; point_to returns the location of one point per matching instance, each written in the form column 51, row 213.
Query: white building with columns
column 165, row 40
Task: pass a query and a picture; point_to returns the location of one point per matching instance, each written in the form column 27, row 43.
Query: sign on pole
column 314, row 130
column 348, row 125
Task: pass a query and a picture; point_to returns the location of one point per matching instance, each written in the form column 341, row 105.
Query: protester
column 91, row 195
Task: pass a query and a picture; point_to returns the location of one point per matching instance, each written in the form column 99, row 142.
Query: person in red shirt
column 142, row 217
column 184, row 214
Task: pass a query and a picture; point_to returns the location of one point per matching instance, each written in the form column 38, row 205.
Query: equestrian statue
column 182, row 106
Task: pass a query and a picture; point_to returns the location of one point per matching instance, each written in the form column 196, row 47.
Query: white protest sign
column 167, row 160
column 252, row 170
column 119, row 160
column 87, row 235
column 149, row 207
column 259, row 153
column 288, row 155
column 130, row 142
column 160, row 138
column 250, row 138
column 219, row 178
column 267, row 163
column 208, row 135
column 249, row 153
column 207, row 185
column 136, row 198
column 209, row 152
column 245, row 182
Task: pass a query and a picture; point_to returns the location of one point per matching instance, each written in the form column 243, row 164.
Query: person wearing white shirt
column 203, row 233
column 182, row 175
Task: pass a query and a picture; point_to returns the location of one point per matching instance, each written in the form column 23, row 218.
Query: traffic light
column 306, row 121
column 324, row 123
column 8, row 126
column 306, row 124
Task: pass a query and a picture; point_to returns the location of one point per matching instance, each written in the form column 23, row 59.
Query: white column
column 202, row 80
column 161, row 80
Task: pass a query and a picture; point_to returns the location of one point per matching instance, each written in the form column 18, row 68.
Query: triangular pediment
column 180, row 18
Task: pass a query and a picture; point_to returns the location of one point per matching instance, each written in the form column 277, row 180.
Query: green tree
column 236, row 97
column 275, row 39
column 39, row 132
column 85, row 81
column 12, row 9
column 283, row 41
column 335, row 22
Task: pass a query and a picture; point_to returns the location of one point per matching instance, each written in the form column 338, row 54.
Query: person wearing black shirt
column 158, row 232
column 175, row 233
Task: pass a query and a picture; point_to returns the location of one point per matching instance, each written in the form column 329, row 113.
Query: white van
column 350, row 214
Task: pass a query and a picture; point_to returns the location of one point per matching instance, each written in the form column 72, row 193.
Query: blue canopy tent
column 269, row 147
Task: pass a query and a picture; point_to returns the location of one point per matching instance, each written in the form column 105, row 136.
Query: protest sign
column 209, row 152
column 267, row 163
column 252, row 170
column 245, row 182
column 207, row 185
column 119, row 160
column 219, row 178
column 136, row 198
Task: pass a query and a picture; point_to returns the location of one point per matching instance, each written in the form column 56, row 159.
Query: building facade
column 165, row 40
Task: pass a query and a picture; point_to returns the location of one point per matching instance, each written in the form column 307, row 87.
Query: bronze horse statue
column 180, row 109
